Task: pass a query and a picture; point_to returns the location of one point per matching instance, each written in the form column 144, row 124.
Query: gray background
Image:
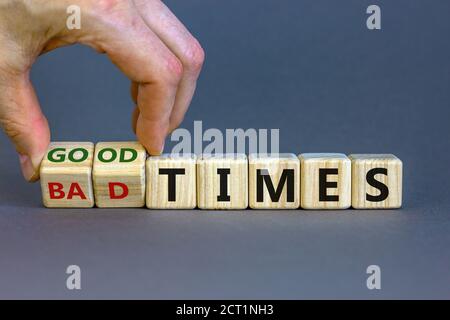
column 310, row 68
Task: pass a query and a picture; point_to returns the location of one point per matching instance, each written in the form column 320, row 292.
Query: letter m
column 263, row 178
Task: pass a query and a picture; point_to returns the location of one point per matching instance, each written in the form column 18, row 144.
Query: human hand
column 141, row 37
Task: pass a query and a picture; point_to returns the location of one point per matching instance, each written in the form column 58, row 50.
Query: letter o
column 83, row 157
column 101, row 155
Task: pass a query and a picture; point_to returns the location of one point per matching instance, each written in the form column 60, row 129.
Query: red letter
column 112, row 192
column 75, row 190
column 55, row 190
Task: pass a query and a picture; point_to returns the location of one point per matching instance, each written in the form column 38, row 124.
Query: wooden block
column 376, row 181
column 274, row 181
column 119, row 174
column 66, row 175
column 171, row 182
column 325, row 181
column 222, row 181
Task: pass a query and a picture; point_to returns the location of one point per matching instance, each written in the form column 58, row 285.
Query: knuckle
column 193, row 56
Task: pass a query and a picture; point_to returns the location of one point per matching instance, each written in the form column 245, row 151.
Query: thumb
column 22, row 120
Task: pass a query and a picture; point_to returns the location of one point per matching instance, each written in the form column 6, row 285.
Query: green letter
column 82, row 150
column 123, row 152
column 60, row 157
column 113, row 155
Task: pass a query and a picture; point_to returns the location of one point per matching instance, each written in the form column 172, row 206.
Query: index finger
column 146, row 60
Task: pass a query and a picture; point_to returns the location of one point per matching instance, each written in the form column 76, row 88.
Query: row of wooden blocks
column 120, row 174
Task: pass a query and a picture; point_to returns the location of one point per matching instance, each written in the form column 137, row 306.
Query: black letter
column 324, row 185
column 384, row 190
column 262, row 176
column 223, row 173
column 171, row 178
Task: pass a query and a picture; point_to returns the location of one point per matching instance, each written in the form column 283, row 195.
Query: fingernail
column 162, row 148
column 29, row 171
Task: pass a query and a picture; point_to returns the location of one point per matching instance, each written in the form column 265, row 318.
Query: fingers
column 22, row 120
column 147, row 61
column 134, row 93
column 153, row 49
column 186, row 48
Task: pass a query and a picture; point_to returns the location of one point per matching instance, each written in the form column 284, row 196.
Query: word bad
column 119, row 174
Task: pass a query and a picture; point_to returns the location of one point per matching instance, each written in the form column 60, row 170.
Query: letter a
column 74, row 19
column 374, row 20
column 75, row 191
column 74, row 279
column 374, row 280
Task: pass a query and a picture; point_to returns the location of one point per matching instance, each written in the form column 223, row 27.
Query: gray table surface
column 309, row 68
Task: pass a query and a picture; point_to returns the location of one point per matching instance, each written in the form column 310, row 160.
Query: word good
column 119, row 174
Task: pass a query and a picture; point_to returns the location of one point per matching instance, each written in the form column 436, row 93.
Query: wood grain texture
column 66, row 175
column 119, row 174
column 280, row 168
column 310, row 164
column 209, row 182
column 182, row 191
column 361, row 165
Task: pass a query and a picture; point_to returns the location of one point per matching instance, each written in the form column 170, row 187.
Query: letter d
column 112, row 190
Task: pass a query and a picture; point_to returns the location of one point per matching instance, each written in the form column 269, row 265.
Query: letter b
column 55, row 190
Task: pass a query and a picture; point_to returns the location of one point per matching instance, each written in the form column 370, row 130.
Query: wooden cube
column 325, row 181
column 274, row 181
column 171, row 182
column 119, row 174
column 66, row 175
column 376, row 181
column 222, row 181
